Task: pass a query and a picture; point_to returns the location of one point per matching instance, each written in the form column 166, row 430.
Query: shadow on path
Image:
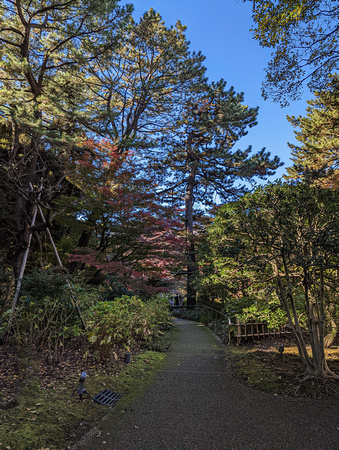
column 194, row 403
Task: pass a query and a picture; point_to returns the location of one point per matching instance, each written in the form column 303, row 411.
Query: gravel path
column 194, row 403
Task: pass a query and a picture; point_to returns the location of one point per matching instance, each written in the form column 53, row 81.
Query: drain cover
column 107, row 397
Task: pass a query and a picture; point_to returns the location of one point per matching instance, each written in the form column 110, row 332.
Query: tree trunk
column 316, row 323
column 28, row 160
column 192, row 268
column 316, row 364
column 330, row 337
column 191, row 275
column 83, row 242
column 292, row 316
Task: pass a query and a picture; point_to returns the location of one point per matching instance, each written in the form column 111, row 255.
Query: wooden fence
column 253, row 330
column 222, row 326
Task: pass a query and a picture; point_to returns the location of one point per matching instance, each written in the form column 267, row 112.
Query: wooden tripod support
column 24, row 262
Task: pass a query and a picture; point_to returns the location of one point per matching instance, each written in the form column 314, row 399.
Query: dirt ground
column 260, row 365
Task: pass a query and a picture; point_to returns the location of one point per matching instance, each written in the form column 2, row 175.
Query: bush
column 271, row 314
column 46, row 315
column 37, row 285
column 125, row 322
column 269, row 310
column 47, row 323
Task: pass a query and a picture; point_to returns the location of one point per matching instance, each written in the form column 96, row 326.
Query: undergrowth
column 44, row 414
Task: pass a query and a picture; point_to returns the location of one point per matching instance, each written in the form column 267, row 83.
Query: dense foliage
column 125, row 322
column 281, row 242
column 316, row 159
column 100, row 114
column 47, row 319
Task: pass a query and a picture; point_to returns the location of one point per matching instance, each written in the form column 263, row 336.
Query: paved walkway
column 194, row 403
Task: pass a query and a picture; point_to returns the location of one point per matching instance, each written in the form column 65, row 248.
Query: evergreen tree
column 140, row 87
column 317, row 159
column 200, row 160
column 44, row 45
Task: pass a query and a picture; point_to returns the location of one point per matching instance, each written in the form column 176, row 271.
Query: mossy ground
column 43, row 414
column 259, row 365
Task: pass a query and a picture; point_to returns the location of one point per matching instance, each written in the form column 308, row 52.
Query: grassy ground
column 37, row 410
column 259, row 364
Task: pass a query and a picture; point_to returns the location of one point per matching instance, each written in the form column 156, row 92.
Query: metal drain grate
column 107, row 397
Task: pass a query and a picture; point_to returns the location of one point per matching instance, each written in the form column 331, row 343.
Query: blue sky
column 220, row 30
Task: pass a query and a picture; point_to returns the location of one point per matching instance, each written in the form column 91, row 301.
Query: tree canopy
column 304, row 36
column 284, row 238
column 100, row 116
column 140, row 86
column 317, row 158
column 115, row 225
column 44, row 45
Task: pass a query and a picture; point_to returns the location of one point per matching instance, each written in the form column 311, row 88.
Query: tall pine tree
column 317, row 158
column 44, row 45
column 140, row 87
column 201, row 160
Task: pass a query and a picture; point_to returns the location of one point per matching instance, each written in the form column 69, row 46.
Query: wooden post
column 73, row 299
column 24, row 262
column 238, row 333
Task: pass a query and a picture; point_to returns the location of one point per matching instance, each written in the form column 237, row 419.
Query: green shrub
column 46, row 314
column 39, row 284
column 124, row 322
column 46, row 323
column 271, row 314
column 269, row 310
